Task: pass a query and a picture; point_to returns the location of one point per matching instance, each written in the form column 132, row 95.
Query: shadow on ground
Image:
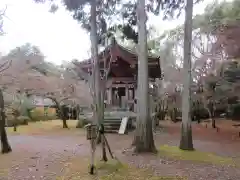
column 65, row 155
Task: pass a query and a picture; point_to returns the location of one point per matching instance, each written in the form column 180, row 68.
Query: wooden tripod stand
column 94, row 135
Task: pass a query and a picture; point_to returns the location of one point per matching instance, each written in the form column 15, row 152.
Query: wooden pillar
column 136, row 99
column 127, row 93
column 110, row 96
column 133, row 93
column 126, row 103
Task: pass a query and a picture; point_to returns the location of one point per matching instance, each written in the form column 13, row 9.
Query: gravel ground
column 41, row 157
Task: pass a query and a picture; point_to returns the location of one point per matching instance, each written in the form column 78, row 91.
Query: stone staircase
column 113, row 119
column 112, row 124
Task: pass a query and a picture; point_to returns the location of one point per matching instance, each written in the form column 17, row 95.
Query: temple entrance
column 120, row 97
column 122, row 78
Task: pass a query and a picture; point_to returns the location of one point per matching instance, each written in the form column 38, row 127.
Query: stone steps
column 112, row 124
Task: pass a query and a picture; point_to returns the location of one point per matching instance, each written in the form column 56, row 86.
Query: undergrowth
column 195, row 156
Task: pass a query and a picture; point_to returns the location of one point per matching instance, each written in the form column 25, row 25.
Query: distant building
column 41, row 101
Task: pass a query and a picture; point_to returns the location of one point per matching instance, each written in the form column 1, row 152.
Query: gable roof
column 122, row 55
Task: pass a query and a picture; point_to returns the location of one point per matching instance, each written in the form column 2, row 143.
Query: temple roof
column 124, row 62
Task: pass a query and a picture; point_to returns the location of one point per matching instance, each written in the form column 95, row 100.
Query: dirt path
column 44, row 157
column 194, row 171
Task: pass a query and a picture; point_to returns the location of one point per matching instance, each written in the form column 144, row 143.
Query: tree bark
column 186, row 142
column 62, row 116
column 213, row 115
column 78, row 111
column 104, row 153
column 15, row 128
column 60, row 112
column 98, row 90
column 144, row 141
column 64, row 120
column 6, row 148
column 213, row 123
column 210, row 110
column 96, row 69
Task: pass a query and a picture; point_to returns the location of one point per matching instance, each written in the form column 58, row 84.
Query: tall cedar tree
column 186, row 135
column 100, row 28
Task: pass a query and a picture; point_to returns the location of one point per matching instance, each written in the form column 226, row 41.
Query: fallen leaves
column 46, row 127
column 197, row 156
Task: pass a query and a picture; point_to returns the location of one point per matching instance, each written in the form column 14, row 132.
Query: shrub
column 82, row 122
column 10, row 122
column 21, row 120
column 38, row 115
column 235, row 112
column 161, row 114
column 51, row 117
column 35, row 114
column 175, row 114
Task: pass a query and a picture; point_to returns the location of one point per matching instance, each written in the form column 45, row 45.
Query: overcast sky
column 58, row 35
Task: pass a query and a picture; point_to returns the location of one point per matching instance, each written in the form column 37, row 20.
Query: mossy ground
column 111, row 170
column 42, row 127
column 9, row 161
column 78, row 167
column 195, row 156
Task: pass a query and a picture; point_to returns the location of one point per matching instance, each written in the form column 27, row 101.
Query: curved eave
column 127, row 55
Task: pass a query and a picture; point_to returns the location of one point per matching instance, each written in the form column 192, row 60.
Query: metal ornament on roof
column 131, row 85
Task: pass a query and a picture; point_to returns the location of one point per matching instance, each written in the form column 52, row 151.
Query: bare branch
column 65, row 98
column 5, row 65
column 2, row 13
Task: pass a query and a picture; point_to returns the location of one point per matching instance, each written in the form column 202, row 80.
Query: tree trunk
column 6, row 148
column 94, row 52
column 186, row 142
column 64, row 120
column 62, row 116
column 78, row 112
column 213, row 116
column 144, row 141
column 198, row 118
column 104, row 153
column 15, row 128
column 213, row 123
column 60, row 110
column 98, row 91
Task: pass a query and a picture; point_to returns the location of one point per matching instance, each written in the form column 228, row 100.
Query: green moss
column 168, row 178
column 4, row 172
column 175, row 152
column 81, row 123
column 77, row 169
column 115, row 170
column 111, row 165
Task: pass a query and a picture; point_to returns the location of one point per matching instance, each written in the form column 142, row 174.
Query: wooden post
column 92, row 167
column 130, row 93
column 92, row 136
column 110, row 96
column 126, row 96
column 127, row 93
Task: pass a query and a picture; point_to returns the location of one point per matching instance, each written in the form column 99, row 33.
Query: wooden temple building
column 121, row 85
